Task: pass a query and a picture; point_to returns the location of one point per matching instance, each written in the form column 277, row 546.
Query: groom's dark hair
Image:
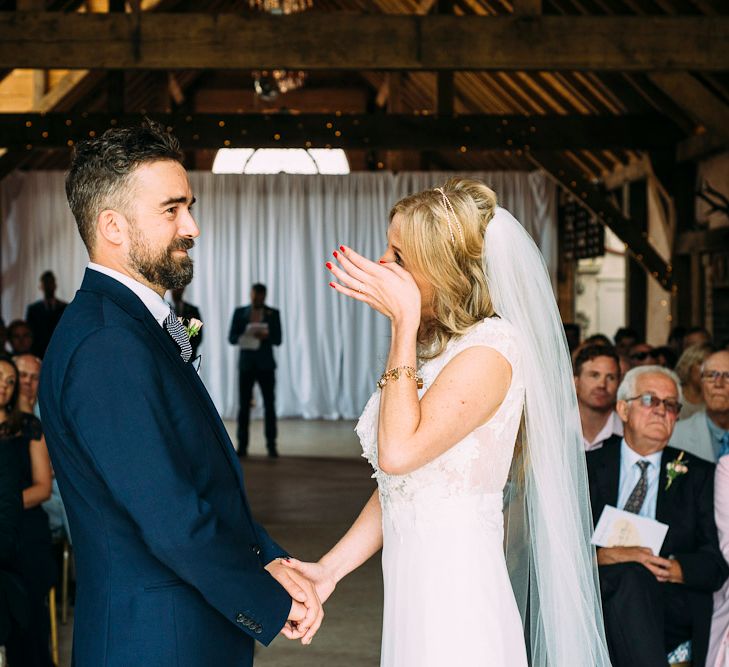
column 100, row 169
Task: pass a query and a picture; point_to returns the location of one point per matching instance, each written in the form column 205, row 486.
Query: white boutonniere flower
column 675, row 468
column 192, row 326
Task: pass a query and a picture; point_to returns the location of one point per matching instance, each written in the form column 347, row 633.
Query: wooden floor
column 307, row 499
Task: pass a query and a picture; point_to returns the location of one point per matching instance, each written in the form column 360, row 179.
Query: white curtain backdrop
column 278, row 230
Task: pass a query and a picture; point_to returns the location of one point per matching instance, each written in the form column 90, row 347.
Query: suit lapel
column 609, row 478
column 94, row 281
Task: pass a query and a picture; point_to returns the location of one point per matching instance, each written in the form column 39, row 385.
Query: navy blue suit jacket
column 262, row 358
column 170, row 563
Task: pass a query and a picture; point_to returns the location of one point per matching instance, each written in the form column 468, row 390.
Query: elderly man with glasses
column 654, row 603
column 706, row 433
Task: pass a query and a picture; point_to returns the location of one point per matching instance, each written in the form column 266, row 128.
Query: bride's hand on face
column 384, row 286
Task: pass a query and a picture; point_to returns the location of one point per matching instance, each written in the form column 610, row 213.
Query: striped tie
column 178, row 333
column 637, row 496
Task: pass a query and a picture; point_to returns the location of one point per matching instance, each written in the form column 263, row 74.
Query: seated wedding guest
column 696, row 336
column 688, row 370
column 13, row 601
column 706, row 433
column 188, row 312
column 43, row 316
column 625, row 338
column 652, row 604
column 597, row 375
column 642, row 354
column 598, row 339
column 20, row 337
column 28, row 647
column 29, row 367
column 719, row 641
column 665, row 356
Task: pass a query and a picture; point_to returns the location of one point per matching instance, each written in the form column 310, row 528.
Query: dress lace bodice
column 478, row 464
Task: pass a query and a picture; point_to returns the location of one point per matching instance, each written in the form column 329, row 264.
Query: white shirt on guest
column 613, row 426
column 156, row 305
column 630, row 474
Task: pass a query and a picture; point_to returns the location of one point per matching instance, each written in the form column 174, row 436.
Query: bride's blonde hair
column 447, row 252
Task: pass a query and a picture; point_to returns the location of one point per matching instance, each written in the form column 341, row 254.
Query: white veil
column 547, row 514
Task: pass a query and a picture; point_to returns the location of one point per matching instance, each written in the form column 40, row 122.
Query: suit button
column 256, row 549
column 240, row 619
column 258, row 630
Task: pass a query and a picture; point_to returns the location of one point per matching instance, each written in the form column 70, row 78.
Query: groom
column 172, row 569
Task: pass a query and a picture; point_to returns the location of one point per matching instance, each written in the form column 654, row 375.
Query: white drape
column 278, row 230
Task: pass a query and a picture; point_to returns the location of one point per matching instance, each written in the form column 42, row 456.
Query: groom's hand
column 302, row 591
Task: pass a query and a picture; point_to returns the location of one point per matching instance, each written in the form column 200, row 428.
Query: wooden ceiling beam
column 344, row 41
column 396, row 131
column 595, row 199
column 696, row 100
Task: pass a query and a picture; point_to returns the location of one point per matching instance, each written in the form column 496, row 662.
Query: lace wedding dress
column 448, row 598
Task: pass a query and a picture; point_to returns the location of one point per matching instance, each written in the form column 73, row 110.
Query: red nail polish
column 341, row 247
column 329, row 265
column 382, row 261
column 331, row 284
column 335, row 254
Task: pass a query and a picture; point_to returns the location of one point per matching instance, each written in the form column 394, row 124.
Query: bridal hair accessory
column 192, row 326
column 397, row 373
column 449, row 209
column 674, row 469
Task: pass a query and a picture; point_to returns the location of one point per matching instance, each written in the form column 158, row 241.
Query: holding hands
column 385, row 286
column 306, row 613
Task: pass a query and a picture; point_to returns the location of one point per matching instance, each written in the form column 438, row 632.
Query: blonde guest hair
column 696, row 354
column 447, row 253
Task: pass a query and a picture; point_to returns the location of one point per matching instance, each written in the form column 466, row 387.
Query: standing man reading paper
column 256, row 329
column 172, row 570
column 652, row 604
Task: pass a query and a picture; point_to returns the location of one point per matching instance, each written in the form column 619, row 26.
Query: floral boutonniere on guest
column 192, row 326
column 675, row 468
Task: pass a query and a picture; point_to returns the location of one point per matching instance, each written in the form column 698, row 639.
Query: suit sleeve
column 237, row 327
column 704, row 568
column 275, row 328
column 269, row 549
column 111, row 401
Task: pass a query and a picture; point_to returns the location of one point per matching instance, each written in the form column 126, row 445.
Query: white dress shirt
column 156, row 305
column 630, row 474
column 613, row 426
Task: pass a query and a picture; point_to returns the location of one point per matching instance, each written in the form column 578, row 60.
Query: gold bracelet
column 397, row 373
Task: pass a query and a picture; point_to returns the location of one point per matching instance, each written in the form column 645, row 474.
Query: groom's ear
column 111, row 227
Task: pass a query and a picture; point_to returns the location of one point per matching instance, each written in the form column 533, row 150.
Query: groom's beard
column 161, row 267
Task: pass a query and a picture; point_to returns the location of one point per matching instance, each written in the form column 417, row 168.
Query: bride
column 473, row 428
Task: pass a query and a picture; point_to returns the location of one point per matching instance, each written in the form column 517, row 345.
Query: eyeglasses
column 642, row 356
column 715, row 376
column 650, row 401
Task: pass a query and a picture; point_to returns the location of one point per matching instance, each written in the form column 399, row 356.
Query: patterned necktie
column 638, row 494
column 178, row 333
column 724, row 445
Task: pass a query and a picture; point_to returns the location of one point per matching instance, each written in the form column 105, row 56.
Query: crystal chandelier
column 269, row 84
